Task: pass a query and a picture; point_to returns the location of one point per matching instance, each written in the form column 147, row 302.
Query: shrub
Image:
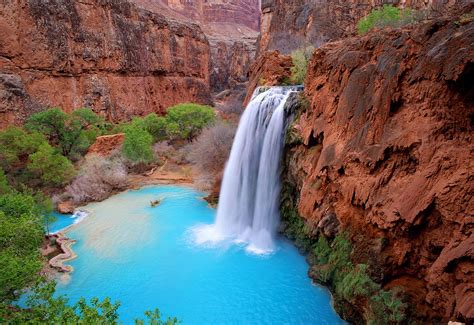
column 322, row 250
column 185, row 121
column 137, row 144
column 388, row 15
column 52, row 168
column 300, row 59
column 73, row 133
column 97, row 178
column 356, row 284
column 211, row 150
column 386, row 308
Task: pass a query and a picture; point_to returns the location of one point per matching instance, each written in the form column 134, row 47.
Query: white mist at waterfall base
column 248, row 210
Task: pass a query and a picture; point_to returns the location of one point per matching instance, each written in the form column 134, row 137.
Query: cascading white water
column 248, row 203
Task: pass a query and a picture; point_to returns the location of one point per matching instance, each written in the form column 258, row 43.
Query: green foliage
column 154, row 318
column 300, row 59
column 388, row 15
column 73, row 133
column 137, row 144
column 52, row 168
column 21, row 233
column 4, row 187
column 156, row 126
column 387, row 308
column 185, row 121
column 357, row 284
column 16, row 145
column 322, row 250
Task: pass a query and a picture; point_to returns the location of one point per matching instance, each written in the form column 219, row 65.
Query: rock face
column 290, row 24
column 119, row 59
column 232, row 29
column 106, row 144
column 385, row 147
column 270, row 69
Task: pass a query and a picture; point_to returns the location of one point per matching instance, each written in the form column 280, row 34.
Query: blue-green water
column 145, row 258
column 60, row 222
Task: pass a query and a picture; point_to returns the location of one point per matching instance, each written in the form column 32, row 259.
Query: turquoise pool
column 145, row 257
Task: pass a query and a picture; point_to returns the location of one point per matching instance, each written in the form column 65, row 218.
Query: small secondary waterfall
column 248, row 209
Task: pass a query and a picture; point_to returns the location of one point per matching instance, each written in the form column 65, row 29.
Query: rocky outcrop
column 270, row 69
column 106, row 144
column 119, row 59
column 383, row 149
column 287, row 25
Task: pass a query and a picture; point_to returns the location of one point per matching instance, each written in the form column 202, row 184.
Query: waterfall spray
column 248, row 204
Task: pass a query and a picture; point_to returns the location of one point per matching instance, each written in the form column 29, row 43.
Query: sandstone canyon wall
column 287, row 25
column 232, row 28
column 119, row 59
column 384, row 150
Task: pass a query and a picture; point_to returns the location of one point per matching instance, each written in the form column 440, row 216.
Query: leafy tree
column 156, row 126
column 388, row 15
column 4, row 187
column 21, row 233
column 185, row 121
column 137, row 144
column 52, row 168
column 300, row 59
column 16, row 145
column 73, row 133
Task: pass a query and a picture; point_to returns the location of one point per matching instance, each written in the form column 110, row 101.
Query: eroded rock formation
column 232, row 29
column 384, row 150
column 287, row 25
column 119, row 59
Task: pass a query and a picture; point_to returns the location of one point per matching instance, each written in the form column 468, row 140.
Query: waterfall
column 248, row 209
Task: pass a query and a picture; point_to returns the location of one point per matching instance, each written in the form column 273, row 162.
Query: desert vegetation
column 300, row 58
column 386, row 16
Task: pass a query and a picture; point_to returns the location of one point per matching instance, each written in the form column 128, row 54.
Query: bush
column 357, row 284
column 386, row 16
column 211, row 150
column 73, row 133
column 97, row 179
column 52, row 168
column 386, row 308
column 300, row 59
column 185, row 121
column 137, row 144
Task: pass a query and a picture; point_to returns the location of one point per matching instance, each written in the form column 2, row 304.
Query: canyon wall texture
column 384, row 150
column 119, row 59
column 287, row 25
column 232, row 28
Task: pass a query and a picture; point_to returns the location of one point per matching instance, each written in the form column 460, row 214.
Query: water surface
column 145, row 258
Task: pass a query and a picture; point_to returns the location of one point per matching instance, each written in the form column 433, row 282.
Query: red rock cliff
column 387, row 147
column 231, row 27
column 289, row 24
column 112, row 56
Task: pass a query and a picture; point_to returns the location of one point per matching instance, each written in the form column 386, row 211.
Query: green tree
column 156, row 126
column 16, row 145
column 388, row 15
column 21, row 233
column 52, row 168
column 300, row 59
column 137, row 144
column 185, row 121
column 73, row 133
